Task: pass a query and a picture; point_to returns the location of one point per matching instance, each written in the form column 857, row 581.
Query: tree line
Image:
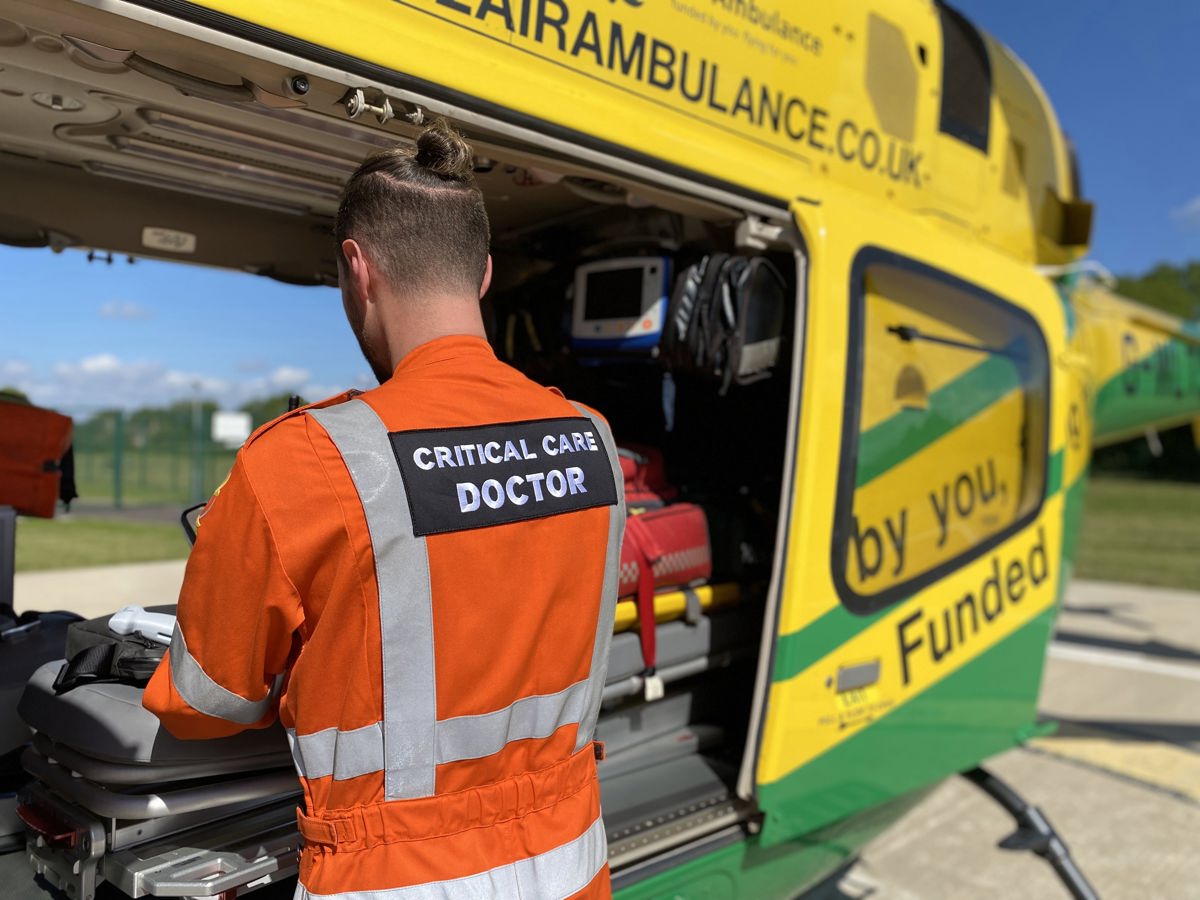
column 175, row 427
column 1173, row 289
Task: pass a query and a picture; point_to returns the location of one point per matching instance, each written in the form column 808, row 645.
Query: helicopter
column 893, row 492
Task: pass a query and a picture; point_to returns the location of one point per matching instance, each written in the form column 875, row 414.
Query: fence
column 159, row 457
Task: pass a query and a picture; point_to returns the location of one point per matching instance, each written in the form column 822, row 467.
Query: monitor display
column 614, row 294
column 619, row 305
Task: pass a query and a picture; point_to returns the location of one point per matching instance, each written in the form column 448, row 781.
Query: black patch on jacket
column 463, row 478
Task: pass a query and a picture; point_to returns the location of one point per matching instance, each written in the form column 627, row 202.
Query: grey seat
column 107, row 722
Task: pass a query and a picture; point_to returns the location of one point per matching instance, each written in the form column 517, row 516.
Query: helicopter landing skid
column 1034, row 833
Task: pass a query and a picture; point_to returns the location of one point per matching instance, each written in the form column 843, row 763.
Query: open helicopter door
column 921, row 559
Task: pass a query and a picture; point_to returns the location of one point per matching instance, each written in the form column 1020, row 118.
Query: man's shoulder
column 283, row 429
column 545, row 397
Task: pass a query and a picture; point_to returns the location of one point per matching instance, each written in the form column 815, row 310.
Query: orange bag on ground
column 33, row 442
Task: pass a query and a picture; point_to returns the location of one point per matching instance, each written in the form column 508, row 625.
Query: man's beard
column 376, row 357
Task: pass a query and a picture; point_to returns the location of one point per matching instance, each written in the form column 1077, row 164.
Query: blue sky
column 1123, row 78
column 77, row 335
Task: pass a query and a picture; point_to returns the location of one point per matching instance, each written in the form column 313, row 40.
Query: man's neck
column 410, row 325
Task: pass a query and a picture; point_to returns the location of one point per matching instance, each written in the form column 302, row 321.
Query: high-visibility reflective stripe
column 557, row 873
column 405, row 603
column 204, row 695
column 349, row 754
column 342, row 754
column 608, row 597
column 471, row 737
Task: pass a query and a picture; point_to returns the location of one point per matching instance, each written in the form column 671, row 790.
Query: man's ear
column 358, row 269
column 487, row 277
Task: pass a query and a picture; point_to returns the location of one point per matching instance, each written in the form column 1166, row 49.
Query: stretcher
column 116, row 800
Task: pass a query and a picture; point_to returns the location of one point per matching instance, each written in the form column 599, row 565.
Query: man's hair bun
column 442, row 151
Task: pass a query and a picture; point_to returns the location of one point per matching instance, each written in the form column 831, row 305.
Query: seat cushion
column 108, row 722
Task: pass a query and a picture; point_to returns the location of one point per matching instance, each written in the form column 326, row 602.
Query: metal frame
column 8, row 555
column 241, row 849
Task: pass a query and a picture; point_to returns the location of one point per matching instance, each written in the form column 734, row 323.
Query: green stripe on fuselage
column 909, row 431
column 1054, row 474
column 797, row 651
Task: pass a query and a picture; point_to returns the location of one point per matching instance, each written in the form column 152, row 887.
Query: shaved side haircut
column 419, row 215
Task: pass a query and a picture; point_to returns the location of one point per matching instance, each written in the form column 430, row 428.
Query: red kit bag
column 646, row 484
column 32, row 444
column 665, row 547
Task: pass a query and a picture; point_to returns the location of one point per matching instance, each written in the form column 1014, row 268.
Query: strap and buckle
column 89, row 665
column 330, row 832
column 642, row 541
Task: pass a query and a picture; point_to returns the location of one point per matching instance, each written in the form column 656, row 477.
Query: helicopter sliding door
column 923, row 553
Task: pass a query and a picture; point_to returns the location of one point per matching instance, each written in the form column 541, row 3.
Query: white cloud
column 1188, row 215
column 288, row 378
column 14, row 368
column 101, row 364
column 105, row 380
column 125, row 309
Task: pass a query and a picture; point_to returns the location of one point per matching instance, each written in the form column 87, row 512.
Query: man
column 421, row 578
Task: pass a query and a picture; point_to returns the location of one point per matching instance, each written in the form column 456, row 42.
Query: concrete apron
column 99, row 590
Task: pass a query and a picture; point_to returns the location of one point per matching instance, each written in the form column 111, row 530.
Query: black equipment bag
column 27, row 640
column 725, row 320
column 96, row 655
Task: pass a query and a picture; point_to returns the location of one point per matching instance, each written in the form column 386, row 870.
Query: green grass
column 1139, row 531
column 73, row 542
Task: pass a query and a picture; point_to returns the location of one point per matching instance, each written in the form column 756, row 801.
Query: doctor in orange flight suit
column 420, row 580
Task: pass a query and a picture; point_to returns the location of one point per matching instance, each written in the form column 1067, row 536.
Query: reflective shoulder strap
column 405, row 602
column 608, row 595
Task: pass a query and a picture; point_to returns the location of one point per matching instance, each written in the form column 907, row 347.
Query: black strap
column 706, row 330
column 88, row 666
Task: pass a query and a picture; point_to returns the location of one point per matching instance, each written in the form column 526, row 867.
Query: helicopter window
column 944, row 450
column 966, row 80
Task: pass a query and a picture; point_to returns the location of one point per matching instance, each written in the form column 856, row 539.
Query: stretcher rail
column 672, row 605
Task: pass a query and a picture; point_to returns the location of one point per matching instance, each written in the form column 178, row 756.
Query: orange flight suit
column 421, row 579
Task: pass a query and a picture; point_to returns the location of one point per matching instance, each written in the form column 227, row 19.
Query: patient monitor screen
column 620, row 304
column 614, row 294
